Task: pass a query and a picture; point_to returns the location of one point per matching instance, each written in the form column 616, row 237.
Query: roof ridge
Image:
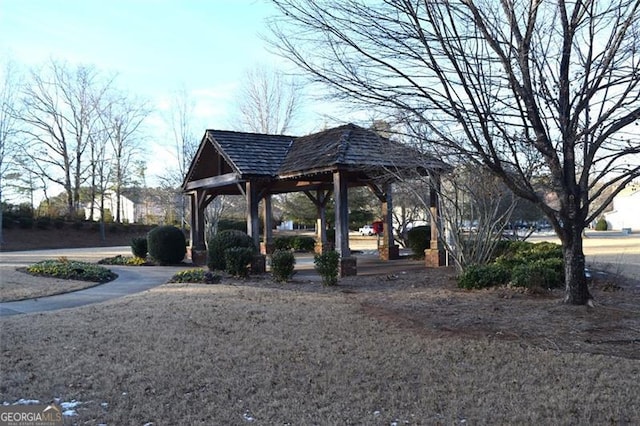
column 239, row 132
column 343, row 145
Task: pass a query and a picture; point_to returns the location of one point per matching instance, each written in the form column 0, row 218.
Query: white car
column 366, row 230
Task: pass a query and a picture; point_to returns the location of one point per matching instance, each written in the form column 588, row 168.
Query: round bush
column 601, row 225
column 282, row 265
column 139, row 247
column 238, row 260
column 222, row 241
column 167, row 244
column 418, row 240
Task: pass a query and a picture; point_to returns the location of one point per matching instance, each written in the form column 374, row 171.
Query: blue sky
column 155, row 46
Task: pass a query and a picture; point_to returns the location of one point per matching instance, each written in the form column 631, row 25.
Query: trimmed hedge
column 295, row 242
column 222, row 241
column 238, row 260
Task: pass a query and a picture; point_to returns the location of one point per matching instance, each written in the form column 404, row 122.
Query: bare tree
column 185, row 145
column 122, row 118
column 9, row 86
column 495, row 81
column 58, row 115
column 268, row 101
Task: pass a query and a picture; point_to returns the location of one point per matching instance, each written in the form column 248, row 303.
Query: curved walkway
column 130, row 279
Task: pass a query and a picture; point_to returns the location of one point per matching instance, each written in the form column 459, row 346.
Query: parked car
column 367, row 230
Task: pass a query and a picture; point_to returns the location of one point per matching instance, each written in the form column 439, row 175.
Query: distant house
column 625, row 208
column 137, row 205
column 127, row 208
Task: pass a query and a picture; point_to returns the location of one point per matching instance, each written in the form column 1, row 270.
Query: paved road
column 130, row 280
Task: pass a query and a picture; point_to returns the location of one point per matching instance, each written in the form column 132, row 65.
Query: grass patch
column 71, row 270
column 185, row 354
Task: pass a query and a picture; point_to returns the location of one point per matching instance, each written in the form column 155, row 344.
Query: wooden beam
column 213, row 182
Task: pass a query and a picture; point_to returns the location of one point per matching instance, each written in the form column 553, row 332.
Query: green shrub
column 196, row 276
column 509, row 247
column 545, row 273
column 230, row 224
column 327, row 265
column 303, row 243
column 237, row 260
column 122, row 260
column 418, row 240
column 284, row 242
column 520, row 252
column 58, row 223
column 71, row 270
column 282, row 265
column 601, row 225
column 222, row 241
column 483, row 276
column 139, row 247
column 166, row 245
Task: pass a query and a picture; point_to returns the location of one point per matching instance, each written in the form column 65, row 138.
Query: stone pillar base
column 348, row 266
column 267, row 248
column 434, row 258
column 389, row 253
column 198, row 256
column 259, row 264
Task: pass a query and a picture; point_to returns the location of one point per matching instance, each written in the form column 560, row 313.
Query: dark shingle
column 251, row 153
column 348, row 146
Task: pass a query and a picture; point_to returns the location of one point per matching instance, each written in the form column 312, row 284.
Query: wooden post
column 389, row 249
column 197, row 248
column 253, row 218
column 347, row 263
column 434, row 256
column 320, row 201
column 267, row 246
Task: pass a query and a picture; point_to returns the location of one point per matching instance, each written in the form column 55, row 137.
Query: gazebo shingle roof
column 251, row 153
column 347, row 147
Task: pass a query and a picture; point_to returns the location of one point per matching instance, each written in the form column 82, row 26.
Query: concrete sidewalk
column 130, row 280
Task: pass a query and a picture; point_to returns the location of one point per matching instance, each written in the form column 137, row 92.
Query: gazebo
column 322, row 164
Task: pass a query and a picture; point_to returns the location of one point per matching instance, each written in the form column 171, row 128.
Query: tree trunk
column 576, row 289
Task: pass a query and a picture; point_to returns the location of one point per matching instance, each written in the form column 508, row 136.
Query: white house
column 626, row 209
column 127, row 208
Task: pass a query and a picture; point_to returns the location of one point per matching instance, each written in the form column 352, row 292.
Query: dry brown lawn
column 18, row 285
column 407, row 348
